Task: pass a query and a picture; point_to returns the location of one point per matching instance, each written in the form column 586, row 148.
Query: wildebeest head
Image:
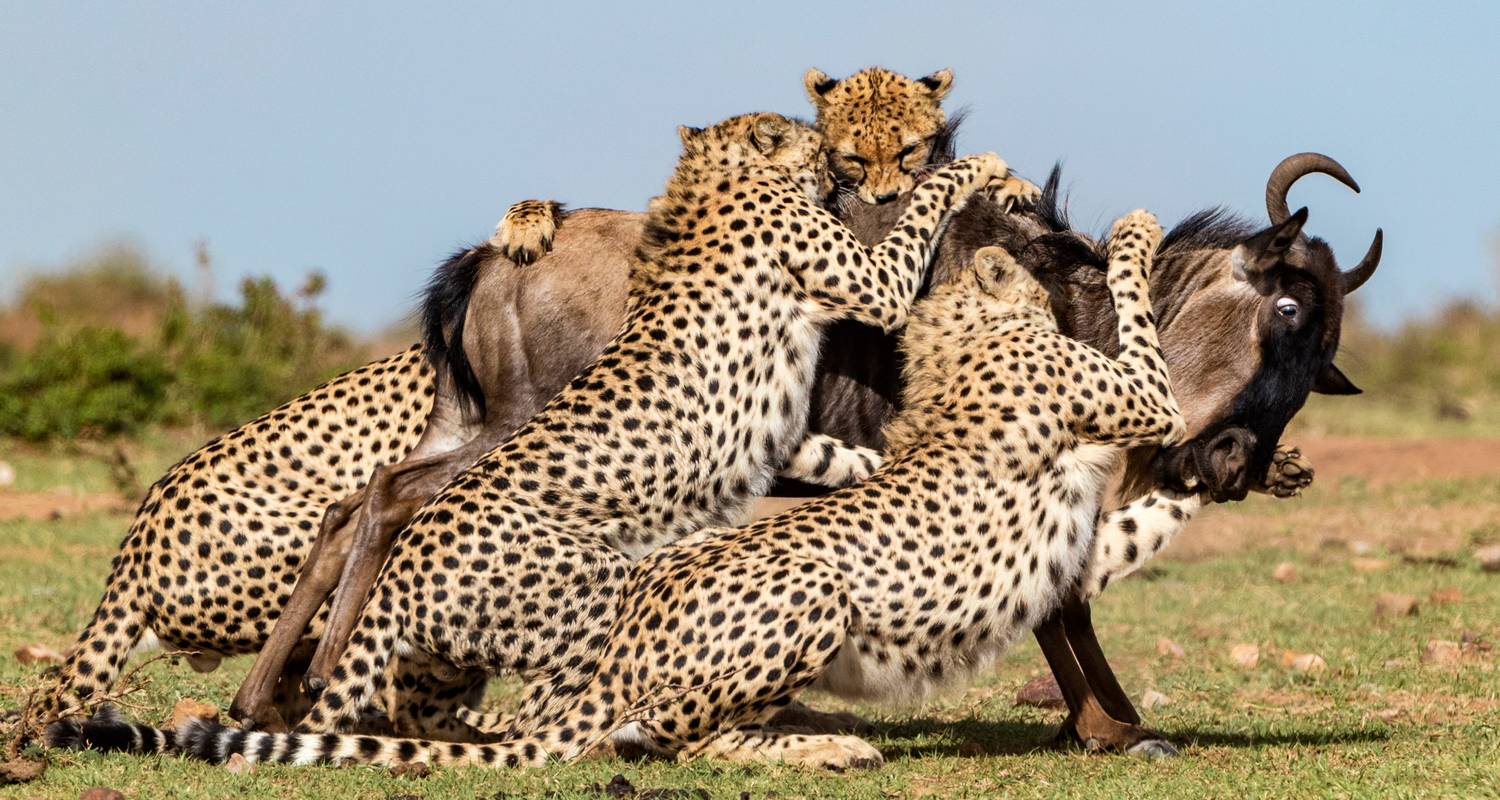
column 1264, row 314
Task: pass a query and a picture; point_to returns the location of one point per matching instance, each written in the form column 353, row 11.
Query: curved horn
column 1356, row 276
column 1290, row 170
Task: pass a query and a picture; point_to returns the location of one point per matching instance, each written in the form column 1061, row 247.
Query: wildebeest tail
column 445, row 305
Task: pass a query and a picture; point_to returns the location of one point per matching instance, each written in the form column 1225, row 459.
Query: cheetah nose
column 882, row 199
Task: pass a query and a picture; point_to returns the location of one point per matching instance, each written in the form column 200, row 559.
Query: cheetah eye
column 906, row 151
column 1288, row 308
column 853, row 158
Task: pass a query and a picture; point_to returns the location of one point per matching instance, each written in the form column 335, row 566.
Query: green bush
column 157, row 357
column 88, row 380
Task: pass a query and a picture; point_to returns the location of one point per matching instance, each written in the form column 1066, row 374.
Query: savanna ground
column 1396, row 711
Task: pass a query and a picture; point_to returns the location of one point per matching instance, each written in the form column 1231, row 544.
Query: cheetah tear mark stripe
column 107, row 731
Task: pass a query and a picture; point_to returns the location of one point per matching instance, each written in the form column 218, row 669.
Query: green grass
column 1382, row 415
column 1377, row 723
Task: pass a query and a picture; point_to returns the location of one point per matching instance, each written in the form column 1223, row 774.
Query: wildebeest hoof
column 1153, row 748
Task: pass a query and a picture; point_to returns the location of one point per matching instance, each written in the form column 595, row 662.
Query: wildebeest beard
column 858, row 384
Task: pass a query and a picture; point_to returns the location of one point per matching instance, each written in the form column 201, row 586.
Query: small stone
column 101, row 793
column 21, row 770
column 1442, row 652
column 238, row 765
column 1167, row 647
column 188, row 709
column 7, row 475
column 1392, row 604
column 1041, row 692
column 1285, row 572
column 1154, row 699
column 1445, row 596
column 1488, row 557
column 1245, row 656
column 39, row 654
column 1394, row 663
column 1303, row 662
column 1369, row 564
column 416, row 769
column 1361, row 548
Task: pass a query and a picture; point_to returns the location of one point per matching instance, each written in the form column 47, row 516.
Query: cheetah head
column 1001, row 277
column 880, row 127
column 762, row 139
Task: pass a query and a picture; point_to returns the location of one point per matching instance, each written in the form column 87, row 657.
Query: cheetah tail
column 212, row 742
column 109, row 732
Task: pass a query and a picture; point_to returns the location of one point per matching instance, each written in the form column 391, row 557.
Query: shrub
column 88, row 380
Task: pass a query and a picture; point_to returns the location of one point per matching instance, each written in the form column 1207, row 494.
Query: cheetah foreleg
column 827, row 461
column 1131, row 535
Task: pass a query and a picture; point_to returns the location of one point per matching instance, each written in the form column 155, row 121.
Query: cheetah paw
column 1288, row 474
column 526, row 231
column 1139, row 224
column 837, row 753
column 1016, row 194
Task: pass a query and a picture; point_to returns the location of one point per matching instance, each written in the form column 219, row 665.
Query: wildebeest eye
column 1288, row 308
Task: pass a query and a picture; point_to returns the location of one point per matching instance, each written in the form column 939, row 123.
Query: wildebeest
column 1249, row 320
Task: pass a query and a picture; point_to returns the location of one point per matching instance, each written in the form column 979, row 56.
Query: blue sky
column 369, row 140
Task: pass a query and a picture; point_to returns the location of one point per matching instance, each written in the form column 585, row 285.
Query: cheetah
column 682, row 420
column 973, row 530
column 215, row 547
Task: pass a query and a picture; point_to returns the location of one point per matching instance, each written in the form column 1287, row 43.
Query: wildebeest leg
column 389, row 504
column 1088, row 722
column 1078, row 624
column 253, row 705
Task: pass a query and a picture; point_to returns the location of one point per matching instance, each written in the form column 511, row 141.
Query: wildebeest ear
column 1332, row 380
column 994, row 267
column 818, row 84
column 939, row 83
column 1264, row 250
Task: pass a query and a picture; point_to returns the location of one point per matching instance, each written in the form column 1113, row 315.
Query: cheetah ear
column 818, row 84
column 938, row 83
column 769, row 132
column 687, row 134
column 994, row 267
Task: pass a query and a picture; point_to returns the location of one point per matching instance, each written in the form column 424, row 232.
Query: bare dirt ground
column 55, row 503
column 1380, row 461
